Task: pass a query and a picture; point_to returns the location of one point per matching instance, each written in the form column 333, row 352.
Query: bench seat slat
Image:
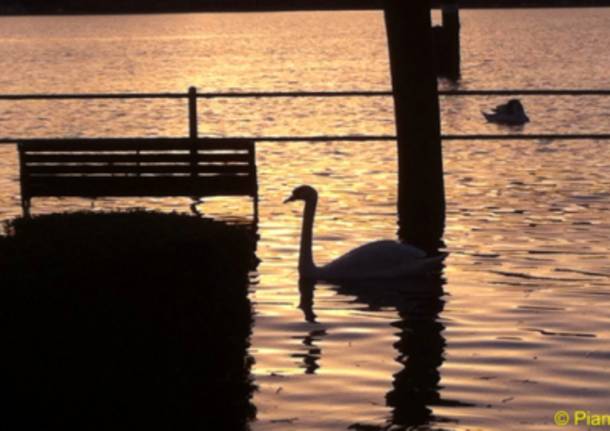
column 85, row 145
column 144, row 186
column 142, row 158
column 138, row 169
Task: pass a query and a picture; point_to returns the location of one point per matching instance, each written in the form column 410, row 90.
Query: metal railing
column 192, row 96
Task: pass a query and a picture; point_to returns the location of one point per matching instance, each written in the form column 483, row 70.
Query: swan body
column 511, row 113
column 378, row 260
column 384, row 259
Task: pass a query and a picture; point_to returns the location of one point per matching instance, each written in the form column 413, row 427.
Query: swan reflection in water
column 420, row 345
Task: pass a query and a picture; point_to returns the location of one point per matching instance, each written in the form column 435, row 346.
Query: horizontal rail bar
column 93, row 96
column 385, row 93
column 539, row 92
column 295, row 94
column 364, row 138
column 532, row 136
column 212, row 95
column 298, row 94
column 169, row 141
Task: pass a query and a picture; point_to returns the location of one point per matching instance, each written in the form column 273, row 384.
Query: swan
column 384, row 259
column 511, row 113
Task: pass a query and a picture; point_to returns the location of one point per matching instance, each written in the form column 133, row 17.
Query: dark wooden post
column 451, row 33
column 193, row 113
column 26, row 198
column 421, row 194
column 193, row 128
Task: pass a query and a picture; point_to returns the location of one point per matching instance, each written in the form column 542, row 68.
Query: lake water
column 522, row 329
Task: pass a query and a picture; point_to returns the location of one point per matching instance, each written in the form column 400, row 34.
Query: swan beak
column 290, row 199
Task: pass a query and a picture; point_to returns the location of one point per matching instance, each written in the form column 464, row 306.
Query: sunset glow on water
column 522, row 328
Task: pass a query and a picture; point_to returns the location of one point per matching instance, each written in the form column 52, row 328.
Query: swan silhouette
column 384, row 259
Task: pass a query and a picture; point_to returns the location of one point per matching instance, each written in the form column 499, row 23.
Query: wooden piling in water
column 446, row 39
column 421, row 194
column 451, row 30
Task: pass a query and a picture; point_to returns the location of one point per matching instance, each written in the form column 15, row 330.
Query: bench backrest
column 137, row 167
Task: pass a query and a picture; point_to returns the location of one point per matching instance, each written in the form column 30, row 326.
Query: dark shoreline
column 22, row 8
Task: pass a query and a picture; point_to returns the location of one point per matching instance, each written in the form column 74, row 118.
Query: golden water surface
column 521, row 329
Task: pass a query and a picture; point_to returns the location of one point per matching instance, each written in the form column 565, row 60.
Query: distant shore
column 34, row 7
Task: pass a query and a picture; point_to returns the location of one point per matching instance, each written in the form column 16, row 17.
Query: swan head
column 303, row 193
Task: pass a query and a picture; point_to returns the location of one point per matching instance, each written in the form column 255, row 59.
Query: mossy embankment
column 125, row 320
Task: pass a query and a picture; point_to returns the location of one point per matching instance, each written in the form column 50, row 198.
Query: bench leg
column 25, row 207
column 255, row 203
column 194, row 209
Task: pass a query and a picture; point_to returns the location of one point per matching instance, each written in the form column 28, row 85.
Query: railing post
column 193, row 113
column 192, row 96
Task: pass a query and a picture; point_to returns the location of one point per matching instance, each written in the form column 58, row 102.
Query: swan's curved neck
column 307, row 266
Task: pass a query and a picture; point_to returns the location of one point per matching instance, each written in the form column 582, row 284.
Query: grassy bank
column 125, row 320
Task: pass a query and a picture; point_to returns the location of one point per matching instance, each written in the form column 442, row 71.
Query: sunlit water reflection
column 520, row 327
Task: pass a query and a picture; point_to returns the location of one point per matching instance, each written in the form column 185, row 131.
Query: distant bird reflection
column 420, row 345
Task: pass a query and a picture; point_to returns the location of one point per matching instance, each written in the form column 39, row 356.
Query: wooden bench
column 94, row 168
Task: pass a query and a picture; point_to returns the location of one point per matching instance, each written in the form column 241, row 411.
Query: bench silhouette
column 155, row 167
